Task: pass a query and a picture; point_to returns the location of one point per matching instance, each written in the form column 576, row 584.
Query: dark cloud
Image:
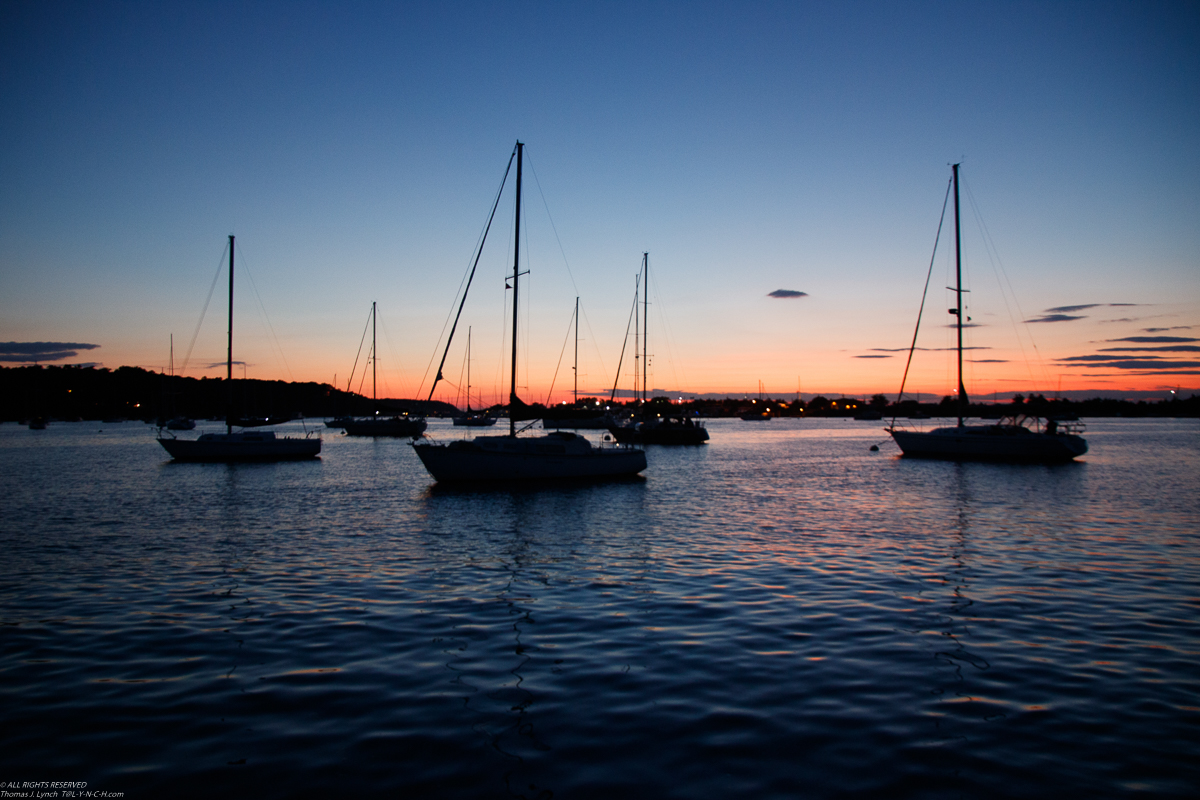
column 1068, row 313
column 1057, row 317
column 1172, row 348
column 988, row 360
column 872, row 356
column 29, row 352
column 1161, row 370
column 787, row 293
column 1144, row 373
column 1101, row 358
column 1172, row 328
column 216, row 364
column 1144, row 363
column 1154, row 339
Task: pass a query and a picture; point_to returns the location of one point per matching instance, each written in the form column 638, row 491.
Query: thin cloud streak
column 1128, row 364
column 1154, row 339
column 1177, row 348
column 927, row 349
column 1056, row 318
column 1143, row 374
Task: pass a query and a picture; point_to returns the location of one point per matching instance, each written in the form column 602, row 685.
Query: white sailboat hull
column 557, row 456
column 990, row 443
column 245, row 446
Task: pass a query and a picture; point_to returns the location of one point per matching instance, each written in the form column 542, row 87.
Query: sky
column 784, row 165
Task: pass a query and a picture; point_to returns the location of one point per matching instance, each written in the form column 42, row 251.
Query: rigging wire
column 203, row 311
column 566, row 340
column 669, row 336
column 924, row 294
column 357, row 355
column 363, row 379
column 1006, row 290
column 595, row 346
column 458, row 387
column 563, row 252
column 625, row 342
column 553, row 227
column 498, row 390
column 505, row 324
column 245, row 268
column 465, row 285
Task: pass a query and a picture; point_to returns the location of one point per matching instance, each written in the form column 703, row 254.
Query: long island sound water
column 780, row 613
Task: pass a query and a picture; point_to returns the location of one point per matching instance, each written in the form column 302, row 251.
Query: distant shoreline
column 72, row 392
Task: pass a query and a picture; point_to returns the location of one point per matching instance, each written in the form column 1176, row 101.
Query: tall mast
column 958, row 310
column 374, row 391
column 468, row 370
column 512, row 392
column 576, row 351
column 637, row 333
column 229, row 352
column 645, row 325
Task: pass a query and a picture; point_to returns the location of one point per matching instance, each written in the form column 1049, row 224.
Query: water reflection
column 778, row 614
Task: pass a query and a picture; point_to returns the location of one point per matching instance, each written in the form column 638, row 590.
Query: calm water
column 780, row 613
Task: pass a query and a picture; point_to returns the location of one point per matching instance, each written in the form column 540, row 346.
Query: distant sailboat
column 555, row 456
column 576, row 416
column 179, row 422
column 654, row 428
column 1008, row 440
column 377, row 425
column 243, row 445
column 469, row 418
column 758, row 416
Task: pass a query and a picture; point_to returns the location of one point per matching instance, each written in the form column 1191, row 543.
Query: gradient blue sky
column 354, row 149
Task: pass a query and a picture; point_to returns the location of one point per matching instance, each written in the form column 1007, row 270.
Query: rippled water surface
column 779, row 613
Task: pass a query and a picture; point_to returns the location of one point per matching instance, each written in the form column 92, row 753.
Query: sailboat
column 655, row 428
column 1014, row 439
column 554, row 456
column 579, row 417
column 377, row 425
column 179, row 422
column 758, row 416
column 469, row 418
column 243, row 445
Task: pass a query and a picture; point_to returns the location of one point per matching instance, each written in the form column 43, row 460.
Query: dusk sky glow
column 784, row 164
